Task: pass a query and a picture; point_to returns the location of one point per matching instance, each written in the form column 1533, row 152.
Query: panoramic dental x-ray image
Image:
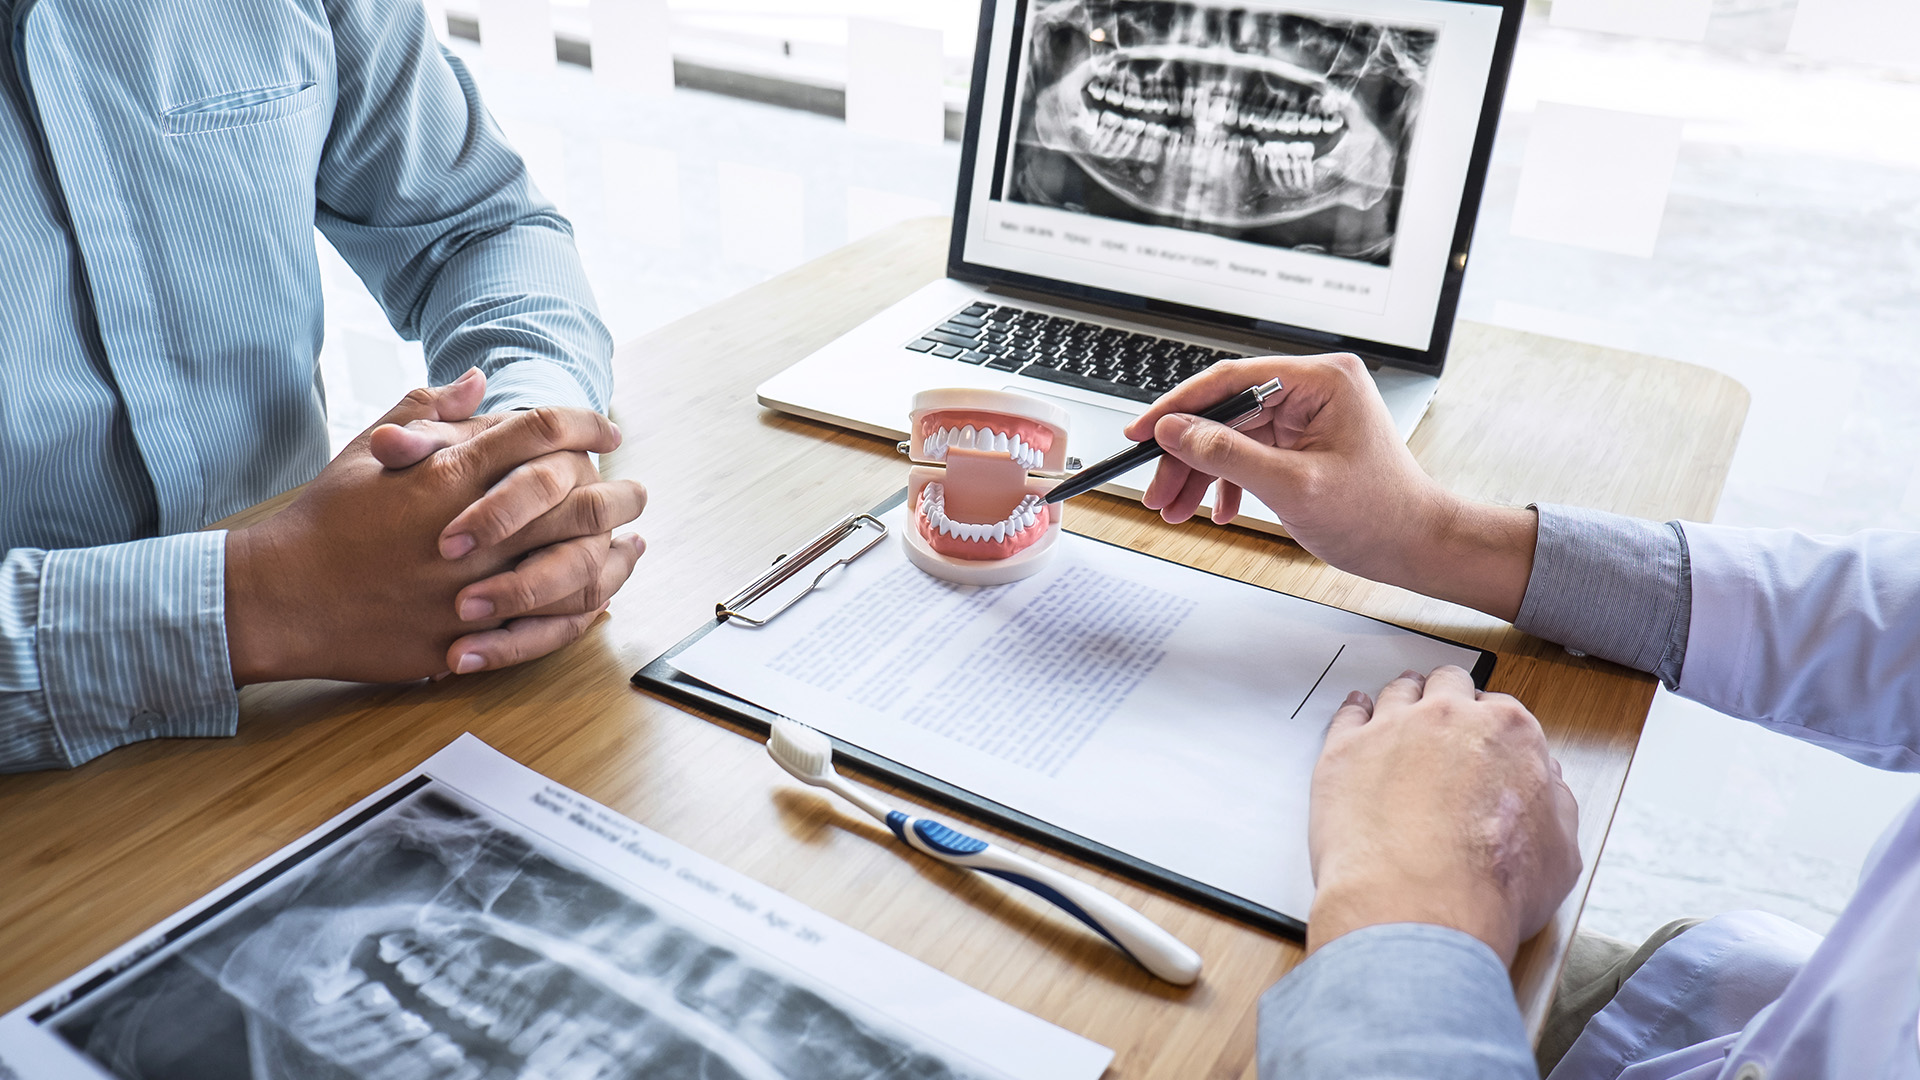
column 1256, row 124
column 439, row 942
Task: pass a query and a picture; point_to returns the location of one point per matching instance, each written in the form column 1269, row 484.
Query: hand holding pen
column 1327, row 421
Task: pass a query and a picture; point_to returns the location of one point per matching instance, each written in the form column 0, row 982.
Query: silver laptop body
column 1147, row 187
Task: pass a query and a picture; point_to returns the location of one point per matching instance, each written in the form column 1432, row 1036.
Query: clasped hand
column 437, row 541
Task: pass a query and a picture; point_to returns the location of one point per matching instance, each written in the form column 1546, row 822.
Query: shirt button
column 1752, row 1070
column 146, row 720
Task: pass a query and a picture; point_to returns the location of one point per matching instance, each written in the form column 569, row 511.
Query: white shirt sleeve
column 1814, row 637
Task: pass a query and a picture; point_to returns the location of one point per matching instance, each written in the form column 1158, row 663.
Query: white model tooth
column 999, row 532
column 965, row 442
column 1000, row 442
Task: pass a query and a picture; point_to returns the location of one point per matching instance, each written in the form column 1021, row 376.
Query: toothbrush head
column 801, row 750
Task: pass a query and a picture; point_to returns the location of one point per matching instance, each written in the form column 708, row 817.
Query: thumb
column 414, row 428
column 1218, row 450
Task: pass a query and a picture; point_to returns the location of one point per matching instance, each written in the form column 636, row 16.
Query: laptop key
column 973, row 357
column 978, row 309
column 1005, row 363
column 950, row 339
column 1099, row 386
column 946, row 351
column 922, row 345
column 965, row 319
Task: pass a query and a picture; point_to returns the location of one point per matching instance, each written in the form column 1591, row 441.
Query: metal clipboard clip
column 786, row 566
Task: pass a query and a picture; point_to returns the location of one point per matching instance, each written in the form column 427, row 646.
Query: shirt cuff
column 1405, row 1000
column 1610, row 586
column 132, row 642
column 526, row 382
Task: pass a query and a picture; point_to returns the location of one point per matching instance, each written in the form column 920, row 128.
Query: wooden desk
column 94, row 856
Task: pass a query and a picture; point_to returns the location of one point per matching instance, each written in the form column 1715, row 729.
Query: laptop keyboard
column 1104, row 359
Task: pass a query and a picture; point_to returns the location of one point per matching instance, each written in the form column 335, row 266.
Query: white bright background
column 1786, row 253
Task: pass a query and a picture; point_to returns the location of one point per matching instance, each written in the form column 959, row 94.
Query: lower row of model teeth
column 935, row 446
column 933, row 504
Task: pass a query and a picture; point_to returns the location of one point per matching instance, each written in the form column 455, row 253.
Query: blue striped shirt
column 162, row 169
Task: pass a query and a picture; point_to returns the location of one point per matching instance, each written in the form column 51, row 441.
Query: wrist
column 1474, row 554
column 259, row 647
column 1478, row 909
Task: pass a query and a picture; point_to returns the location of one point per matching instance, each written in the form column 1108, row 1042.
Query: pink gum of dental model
column 976, row 514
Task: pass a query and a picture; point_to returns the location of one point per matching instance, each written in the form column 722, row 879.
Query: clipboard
column 854, row 536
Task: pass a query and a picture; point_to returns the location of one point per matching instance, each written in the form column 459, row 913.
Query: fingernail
column 455, row 546
column 1354, row 698
column 442, row 675
column 471, row 374
column 617, row 437
column 475, row 607
column 1409, row 674
column 469, row 663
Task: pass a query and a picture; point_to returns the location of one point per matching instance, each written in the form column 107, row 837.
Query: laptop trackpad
column 1094, row 434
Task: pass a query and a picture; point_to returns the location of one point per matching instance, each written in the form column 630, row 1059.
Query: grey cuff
column 1405, row 1001
column 1611, row 586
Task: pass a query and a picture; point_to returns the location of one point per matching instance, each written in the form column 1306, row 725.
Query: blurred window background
column 1732, row 183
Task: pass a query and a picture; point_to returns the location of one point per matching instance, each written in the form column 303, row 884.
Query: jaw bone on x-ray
column 1260, row 125
column 443, row 944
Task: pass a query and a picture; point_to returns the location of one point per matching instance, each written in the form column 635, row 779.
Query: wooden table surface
column 93, row 856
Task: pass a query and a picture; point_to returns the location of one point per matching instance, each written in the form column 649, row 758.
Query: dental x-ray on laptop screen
column 1148, row 186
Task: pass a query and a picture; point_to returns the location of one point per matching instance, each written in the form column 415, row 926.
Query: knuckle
column 547, row 423
column 597, row 512
column 551, row 482
column 420, row 395
column 523, row 593
column 1349, row 364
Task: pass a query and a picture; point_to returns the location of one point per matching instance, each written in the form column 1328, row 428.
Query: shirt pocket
column 242, row 108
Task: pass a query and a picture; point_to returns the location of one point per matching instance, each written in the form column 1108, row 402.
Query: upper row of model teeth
column 933, row 503
column 935, row 446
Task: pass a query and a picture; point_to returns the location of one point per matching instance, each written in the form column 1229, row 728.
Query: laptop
column 1149, row 186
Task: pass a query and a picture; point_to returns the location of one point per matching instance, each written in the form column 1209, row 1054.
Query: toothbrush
column 808, row 755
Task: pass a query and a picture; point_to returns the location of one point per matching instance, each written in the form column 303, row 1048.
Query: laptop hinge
column 1173, row 324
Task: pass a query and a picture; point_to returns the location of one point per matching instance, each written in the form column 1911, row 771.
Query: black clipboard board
column 661, row 677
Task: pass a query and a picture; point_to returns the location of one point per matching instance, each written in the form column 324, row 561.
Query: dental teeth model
column 976, row 514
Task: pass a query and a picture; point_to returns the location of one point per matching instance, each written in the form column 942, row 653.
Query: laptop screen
column 1284, row 165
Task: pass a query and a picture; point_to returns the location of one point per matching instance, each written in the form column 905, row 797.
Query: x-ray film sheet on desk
column 475, row 921
column 1166, row 713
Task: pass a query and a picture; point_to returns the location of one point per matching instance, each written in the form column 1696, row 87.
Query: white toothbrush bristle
column 801, row 750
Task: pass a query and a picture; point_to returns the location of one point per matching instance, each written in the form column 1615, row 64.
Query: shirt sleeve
column 1611, row 586
column 1406, row 1000
column 420, row 193
column 1817, row 637
column 105, row 646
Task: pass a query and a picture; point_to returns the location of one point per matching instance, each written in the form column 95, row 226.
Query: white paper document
column 476, row 921
column 1168, row 713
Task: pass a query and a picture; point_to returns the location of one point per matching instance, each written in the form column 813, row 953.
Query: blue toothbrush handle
column 1152, row 947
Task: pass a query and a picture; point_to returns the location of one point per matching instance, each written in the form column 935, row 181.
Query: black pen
column 1232, row 412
